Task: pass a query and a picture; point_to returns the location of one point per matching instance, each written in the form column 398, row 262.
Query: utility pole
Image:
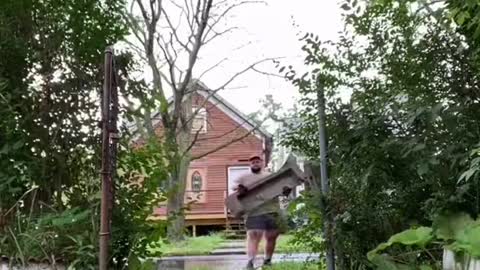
column 109, row 150
column 325, row 185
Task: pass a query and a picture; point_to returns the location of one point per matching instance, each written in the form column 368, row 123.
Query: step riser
column 235, row 237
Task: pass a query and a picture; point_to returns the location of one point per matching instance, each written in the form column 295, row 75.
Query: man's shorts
column 270, row 221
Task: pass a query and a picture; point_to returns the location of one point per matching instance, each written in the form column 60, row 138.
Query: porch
column 206, row 209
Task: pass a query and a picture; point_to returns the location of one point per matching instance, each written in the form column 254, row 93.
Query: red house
column 210, row 178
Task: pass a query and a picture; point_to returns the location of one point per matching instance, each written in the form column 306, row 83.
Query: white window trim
column 201, row 113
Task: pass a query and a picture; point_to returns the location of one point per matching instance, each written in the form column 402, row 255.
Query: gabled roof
column 222, row 104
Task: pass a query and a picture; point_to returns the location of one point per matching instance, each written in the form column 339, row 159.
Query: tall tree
column 50, row 77
column 400, row 144
column 51, row 74
column 15, row 30
column 170, row 37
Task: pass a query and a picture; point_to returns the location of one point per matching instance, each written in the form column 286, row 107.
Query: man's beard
column 255, row 170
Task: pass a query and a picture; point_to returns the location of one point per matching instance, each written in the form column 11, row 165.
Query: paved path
column 4, row 266
column 223, row 262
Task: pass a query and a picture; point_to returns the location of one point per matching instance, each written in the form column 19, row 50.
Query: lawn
column 284, row 245
column 295, row 266
column 285, row 266
column 203, row 245
column 200, row 245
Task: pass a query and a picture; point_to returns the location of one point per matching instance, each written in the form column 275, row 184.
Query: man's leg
column 253, row 240
column 271, row 240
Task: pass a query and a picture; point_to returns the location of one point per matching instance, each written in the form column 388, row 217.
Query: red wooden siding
column 221, row 129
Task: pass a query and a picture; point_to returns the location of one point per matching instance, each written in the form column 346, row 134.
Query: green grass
column 284, row 245
column 295, row 266
column 201, row 245
column 284, row 266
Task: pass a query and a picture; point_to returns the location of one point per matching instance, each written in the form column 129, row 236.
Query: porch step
column 230, row 247
column 233, row 244
column 229, row 251
column 237, row 234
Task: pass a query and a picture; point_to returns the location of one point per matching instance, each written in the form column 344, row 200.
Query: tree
column 401, row 143
column 170, row 48
column 15, row 30
column 51, row 95
column 50, row 76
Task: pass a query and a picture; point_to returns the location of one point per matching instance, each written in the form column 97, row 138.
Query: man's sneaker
column 250, row 265
column 267, row 262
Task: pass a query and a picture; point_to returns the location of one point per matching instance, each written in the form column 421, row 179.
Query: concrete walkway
column 42, row 266
column 224, row 262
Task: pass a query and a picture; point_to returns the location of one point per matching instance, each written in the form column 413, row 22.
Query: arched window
column 196, row 181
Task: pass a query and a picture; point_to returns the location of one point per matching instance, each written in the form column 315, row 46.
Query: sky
column 271, row 30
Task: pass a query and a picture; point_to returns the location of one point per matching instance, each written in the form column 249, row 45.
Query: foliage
column 306, row 215
column 71, row 236
column 465, row 15
column 54, row 238
column 455, row 232
column 291, row 243
column 50, row 80
column 51, row 71
column 140, row 174
column 15, row 31
column 402, row 140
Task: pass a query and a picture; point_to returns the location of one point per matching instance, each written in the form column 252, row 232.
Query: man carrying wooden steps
column 263, row 221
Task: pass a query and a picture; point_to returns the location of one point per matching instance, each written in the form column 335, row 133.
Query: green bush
column 70, row 236
column 55, row 238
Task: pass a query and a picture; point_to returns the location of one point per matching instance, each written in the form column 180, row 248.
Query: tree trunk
column 177, row 184
column 175, row 204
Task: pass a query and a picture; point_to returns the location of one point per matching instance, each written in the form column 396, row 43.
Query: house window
column 199, row 123
column 196, row 185
column 196, row 181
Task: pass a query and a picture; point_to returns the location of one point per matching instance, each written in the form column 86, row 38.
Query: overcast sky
column 265, row 30
column 271, row 32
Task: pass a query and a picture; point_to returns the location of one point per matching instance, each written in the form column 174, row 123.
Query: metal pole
column 106, row 201
column 327, row 225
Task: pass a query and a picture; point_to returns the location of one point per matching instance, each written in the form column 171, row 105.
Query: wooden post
column 106, row 171
column 325, row 185
column 194, row 230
